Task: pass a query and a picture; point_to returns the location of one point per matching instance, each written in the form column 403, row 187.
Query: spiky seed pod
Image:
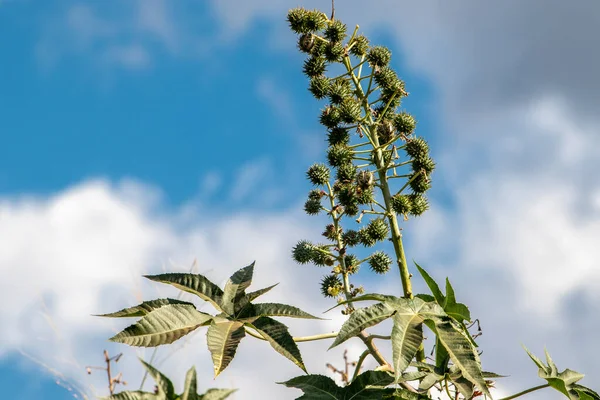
column 336, row 31
column 302, row 252
column 393, row 94
column 365, row 179
column 360, row 45
column 350, row 238
column 364, row 197
column 351, row 210
column 405, row 123
column 378, row 229
column 423, row 164
column 318, row 174
column 379, row 56
column 305, row 21
column 386, row 78
column 417, row 148
column 331, row 116
column 314, row 66
column 347, row 195
column 351, row 263
column 306, row 42
column 320, row 257
column 419, row 204
column 385, row 131
column 385, row 113
column 319, row 86
column 339, row 155
column 312, row 206
column 339, row 90
column 334, row 52
column 365, row 238
column 380, row 262
column 401, row 204
column 319, row 48
column 350, row 110
column 337, row 187
column 420, row 183
column 331, row 286
column 338, row 135
column 346, row 172
column 331, row 233
column 316, row 194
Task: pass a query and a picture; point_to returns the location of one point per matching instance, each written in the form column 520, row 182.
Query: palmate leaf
column 135, row 395
column 315, row 387
column 254, row 295
column 407, row 333
column 192, row 283
column 164, row 384
column 163, row 326
column 143, row 309
column 223, row 340
column 462, row 353
column 279, row 310
column 361, row 319
column 279, row 338
column 190, row 387
column 429, row 380
column 235, row 288
column 565, row 382
column 361, row 387
column 216, row 394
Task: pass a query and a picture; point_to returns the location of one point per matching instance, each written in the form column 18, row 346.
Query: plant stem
column 296, row 339
column 361, row 359
column 533, row 389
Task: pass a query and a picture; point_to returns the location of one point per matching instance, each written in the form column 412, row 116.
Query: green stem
column 533, row 389
column 297, row 339
column 361, row 359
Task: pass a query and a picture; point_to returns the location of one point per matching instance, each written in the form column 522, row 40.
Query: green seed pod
column 392, row 94
column 365, row 238
column 320, row 258
column 331, row 286
column 318, row 174
column 365, row 179
column 314, row 66
column 360, row 45
column 305, row 21
column 386, row 78
column 319, row 86
column 351, row 209
column 334, row 52
column 401, row 204
column 302, row 252
column 365, row 196
column 385, row 131
column 379, row 56
column 339, row 155
column 351, row 263
column 339, row 90
column 417, row 148
column 390, row 111
column 419, row 204
column 420, row 183
column 405, row 123
column 350, row 110
column 380, row 262
column 331, row 233
column 378, row 229
column 331, row 116
column 312, row 206
column 336, row 31
column 338, row 135
column 346, row 172
column 350, row 238
column 316, row 194
column 423, row 164
column 346, row 195
column 306, row 42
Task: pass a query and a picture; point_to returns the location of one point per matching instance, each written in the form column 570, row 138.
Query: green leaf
column 435, row 289
column 134, row 395
column 359, row 389
column 253, row 295
column 407, row 333
column 429, row 380
column 361, row 319
column 460, row 349
column 279, row 338
column 163, row 326
column 192, row 283
column 585, row 393
column 464, row 386
column 217, row 394
column 280, row 310
column 143, row 309
column 235, row 289
column 450, row 296
column 164, row 384
column 366, row 297
column 458, row 311
column 425, row 297
column 223, row 340
column 315, row 387
column 190, row 387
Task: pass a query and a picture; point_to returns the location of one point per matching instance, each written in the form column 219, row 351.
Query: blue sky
column 143, row 135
